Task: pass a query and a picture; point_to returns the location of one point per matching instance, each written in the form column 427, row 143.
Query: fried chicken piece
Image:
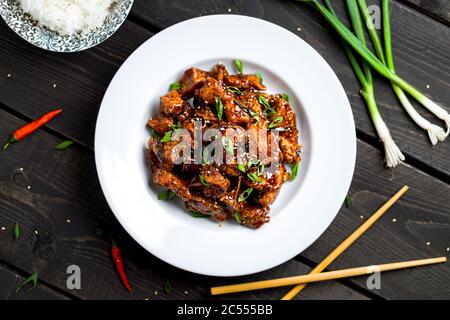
column 244, row 81
column 289, row 146
column 216, row 184
column 160, row 124
column 191, row 80
column 254, row 216
column 219, row 72
column 249, row 99
column 171, row 103
column 212, row 89
column 278, row 178
column 236, row 114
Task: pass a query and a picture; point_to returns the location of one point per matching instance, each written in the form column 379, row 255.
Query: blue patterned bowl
column 27, row 28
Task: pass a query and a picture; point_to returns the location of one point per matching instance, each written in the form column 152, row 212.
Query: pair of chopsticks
column 315, row 275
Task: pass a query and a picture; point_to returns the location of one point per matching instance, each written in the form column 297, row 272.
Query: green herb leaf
column 275, row 122
column 219, row 108
column 167, row 136
column 175, row 86
column 294, row 171
column 155, row 134
column 228, row 145
column 259, row 76
column 234, row 90
column 196, row 214
column 249, row 164
column 64, row 145
column 285, row 97
column 203, row 181
column 166, row 195
column 167, row 287
column 261, row 167
column 176, row 126
column 98, row 231
column 252, row 176
column 348, row 201
column 16, row 231
column 254, row 115
column 239, row 66
column 263, row 101
column 31, row 279
column 244, row 195
column 237, row 217
column 241, row 167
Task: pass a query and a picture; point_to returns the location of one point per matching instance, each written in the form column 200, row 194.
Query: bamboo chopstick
column 330, row 275
column 349, row 241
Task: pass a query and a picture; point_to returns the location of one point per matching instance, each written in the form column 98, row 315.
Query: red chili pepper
column 31, row 127
column 117, row 257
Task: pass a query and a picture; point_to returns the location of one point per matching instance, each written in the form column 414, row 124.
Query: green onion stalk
column 435, row 132
column 377, row 65
column 363, row 73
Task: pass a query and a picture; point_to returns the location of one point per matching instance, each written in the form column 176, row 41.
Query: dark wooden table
column 61, row 211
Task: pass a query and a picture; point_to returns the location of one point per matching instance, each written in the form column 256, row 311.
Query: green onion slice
column 276, row 122
column 239, row 66
column 245, row 194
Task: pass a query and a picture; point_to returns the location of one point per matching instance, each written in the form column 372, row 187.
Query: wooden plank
column 65, row 205
column 438, row 9
column 28, row 76
column 10, row 281
column 418, row 226
column 421, row 47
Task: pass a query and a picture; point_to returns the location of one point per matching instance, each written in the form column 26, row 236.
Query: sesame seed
column 146, row 299
column 9, row 75
column 68, row 220
column 29, row 187
column 3, row 228
column 394, row 220
column 186, row 292
column 54, row 85
column 428, row 243
column 229, row 9
column 20, row 169
column 428, row 86
column 36, row 232
column 362, row 217
column 299, row 29
column 448, row 249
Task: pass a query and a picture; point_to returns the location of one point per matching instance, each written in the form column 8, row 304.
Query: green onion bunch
column 382, row 62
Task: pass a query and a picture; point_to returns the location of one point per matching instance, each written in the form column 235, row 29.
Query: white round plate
column 304, row 208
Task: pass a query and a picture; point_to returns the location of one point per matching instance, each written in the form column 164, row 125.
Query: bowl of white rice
column 65, row 25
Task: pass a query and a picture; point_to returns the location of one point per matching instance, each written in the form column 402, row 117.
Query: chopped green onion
column 239, row 66
column 259, row 76
column 276, row 122
column 219, row 108
column 237, row 217
column 31, row 279
column 261, row 167
column 176, row 126
column 234, row 90
column 228, row 145
column 263, row 101
column 64, row 145
column 16, row 231
column 347, row 201
column 166, row 195
column 285, row 96
column 244, row 195
column 249, row 164
column 294, row 171
column 167, row 287
column 241, row 167
column 254, row 177
column 254, row 115
column 155, row 134
column 196, row 214
column 203, row 181
column 98, row 231
column 167, row 136
column 175, row 86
